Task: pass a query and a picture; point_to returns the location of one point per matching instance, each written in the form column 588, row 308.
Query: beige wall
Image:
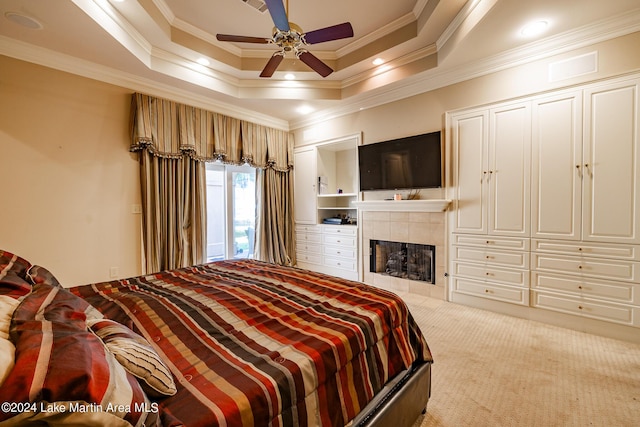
column 425, row 112
column 68, row 180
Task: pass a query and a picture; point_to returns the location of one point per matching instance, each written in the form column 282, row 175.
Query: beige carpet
column 495, row 370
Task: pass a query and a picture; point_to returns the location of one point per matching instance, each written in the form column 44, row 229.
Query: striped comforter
column 252, row 344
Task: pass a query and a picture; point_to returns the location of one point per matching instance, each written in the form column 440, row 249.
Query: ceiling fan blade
column 272, row 65
column 335, row 32
column 278, row 14
column 241, row 39
column 317, row 65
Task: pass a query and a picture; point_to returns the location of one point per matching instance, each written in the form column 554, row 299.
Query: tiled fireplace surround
column 411, row 227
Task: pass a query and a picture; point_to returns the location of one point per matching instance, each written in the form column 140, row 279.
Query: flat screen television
column 407, row 163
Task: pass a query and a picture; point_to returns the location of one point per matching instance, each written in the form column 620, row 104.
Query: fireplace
column 403, row 260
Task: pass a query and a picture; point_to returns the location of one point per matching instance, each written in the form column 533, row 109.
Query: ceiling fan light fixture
column 378, row 61
column 289, row 37
column 203, row 61
column 289, row 76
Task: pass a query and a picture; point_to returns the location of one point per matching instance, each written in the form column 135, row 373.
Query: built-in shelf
column 427, row 205
column 338, row 195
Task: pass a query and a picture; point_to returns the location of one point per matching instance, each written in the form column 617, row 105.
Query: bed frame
column 400, row 402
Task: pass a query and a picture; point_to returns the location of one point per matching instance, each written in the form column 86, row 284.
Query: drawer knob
column 486, row 291
column 580, row 307
column 580, row 267
column 338, row 241
column 579, row 287
column 580, row 249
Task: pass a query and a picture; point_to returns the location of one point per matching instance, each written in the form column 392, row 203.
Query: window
column 231, row 211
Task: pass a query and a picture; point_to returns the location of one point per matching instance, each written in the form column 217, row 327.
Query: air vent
column 257, row 4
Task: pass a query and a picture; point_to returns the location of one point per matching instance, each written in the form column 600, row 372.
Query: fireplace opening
column 404, row 260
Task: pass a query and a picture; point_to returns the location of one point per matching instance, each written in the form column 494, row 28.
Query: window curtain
column 275, row 224
column 174, row 142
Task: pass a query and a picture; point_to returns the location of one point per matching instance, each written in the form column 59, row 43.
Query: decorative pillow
column 61, row 364
column 136, row 355
column 38, row 274
column 11, row 262
column 7, row 349
column 13, row 286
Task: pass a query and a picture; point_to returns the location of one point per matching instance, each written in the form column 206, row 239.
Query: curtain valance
column 172, row 130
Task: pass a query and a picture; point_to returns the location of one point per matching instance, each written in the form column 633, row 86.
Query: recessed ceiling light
column 203, row 61
column 24, row 20
column 289, row 76
column 304, row 109
column 534, row 28
column 378, row 61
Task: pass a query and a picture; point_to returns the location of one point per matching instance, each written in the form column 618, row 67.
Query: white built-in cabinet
column 492, row 155
column 491, row 151
column 327, row 248
column 305, row 181
column 547, row 203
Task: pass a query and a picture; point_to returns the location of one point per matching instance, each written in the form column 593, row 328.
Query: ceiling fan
column 290, row 38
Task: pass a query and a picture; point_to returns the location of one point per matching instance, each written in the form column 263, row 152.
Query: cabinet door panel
column 509, row 170
column 611, row 160
column 470, row 141
column 304, row 173
column 556, row 187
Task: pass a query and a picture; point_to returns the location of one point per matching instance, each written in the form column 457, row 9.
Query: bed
column 235, row 343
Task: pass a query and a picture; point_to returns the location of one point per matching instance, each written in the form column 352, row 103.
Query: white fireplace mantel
column 426, row 205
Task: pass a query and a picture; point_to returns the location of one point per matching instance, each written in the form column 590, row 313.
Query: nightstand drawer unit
column 491, row 267
column 595, row 280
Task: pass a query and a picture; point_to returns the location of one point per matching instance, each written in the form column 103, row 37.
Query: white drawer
column 587, row 249
column 489, row 256
column 340, row 252
column 610, row 312
column 628, row 293
column 309, row 257
column 309, row 247
column 494, row 242
column 345, row 230
column 590, row 267
column 510, row 276
column 301, row 228
column 308, row 237
column 340, row 263
column 505, row 293
column 332, row 239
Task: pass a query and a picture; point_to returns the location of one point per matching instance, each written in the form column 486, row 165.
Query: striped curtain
column 175, row 141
